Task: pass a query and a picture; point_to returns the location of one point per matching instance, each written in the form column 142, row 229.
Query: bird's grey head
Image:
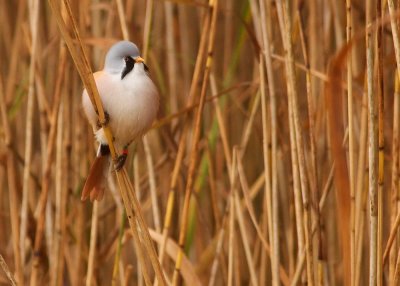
column 121, row 58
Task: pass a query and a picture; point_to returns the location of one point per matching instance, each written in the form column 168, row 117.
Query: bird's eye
column 129, row 60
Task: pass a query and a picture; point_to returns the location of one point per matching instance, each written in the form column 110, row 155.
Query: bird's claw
column 105, row 121
column 120, row 161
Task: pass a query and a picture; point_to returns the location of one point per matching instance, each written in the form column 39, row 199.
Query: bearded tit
column 130, row 101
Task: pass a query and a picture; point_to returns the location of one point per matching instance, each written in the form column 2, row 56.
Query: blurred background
column 279, row 118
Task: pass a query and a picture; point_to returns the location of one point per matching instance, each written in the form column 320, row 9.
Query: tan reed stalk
column 380, row 92
column 372, row 152
column 66, row 177
column 397, row 270
column 242, row 229
column 263, row 259
column 117, row 257
column 57, row 257
column 249, row 124
column 73, row 257
column 395, row 32
column 9, row 142
column 286, row 33
column 147, row 27
column 361, row 185
column 395, row 179
column 351, row 151
column 302, row 255
column 134, row 209
column 244, row 185
column 189, row 272
column 41, row 207
column 213, row 6
column 138, row 191
column 236, row 263
column 215, row 263
column 149, row 159
column 6, row 28
column 136, row 223
column 272, row 215
column 185, row 46
column 221, row 122
column 33, row 17
column 296, row 190
column 315, row 51
column 49, row 222
column 396, row 44
column 152, row 182
column 182, row 141
column 313, row 158
column 122, row 19
column 15, row 51
column 314, row 73
column 128, row 274
column 231, row 237
column 171, row 56
column 271, row 206
column 92, row 245
column 311, row 121
column 391, row 239
column 220, row 224
column 338, row 29
column 256, row 19
column 228, row 34
column 7, row 271
column 218, row 220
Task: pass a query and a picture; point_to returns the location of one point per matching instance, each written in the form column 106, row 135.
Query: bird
column 130, row 100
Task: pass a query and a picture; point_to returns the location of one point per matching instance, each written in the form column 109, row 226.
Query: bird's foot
column 105, row 121
column 120, row 161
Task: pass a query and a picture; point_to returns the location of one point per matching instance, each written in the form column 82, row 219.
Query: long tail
column 96, row 181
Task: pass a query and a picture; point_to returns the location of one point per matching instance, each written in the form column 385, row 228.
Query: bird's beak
column 139, row 60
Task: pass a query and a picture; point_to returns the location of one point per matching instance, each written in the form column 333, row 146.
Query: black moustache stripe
column 129, row 64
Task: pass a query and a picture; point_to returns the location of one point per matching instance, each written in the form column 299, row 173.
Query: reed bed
column 274, row 159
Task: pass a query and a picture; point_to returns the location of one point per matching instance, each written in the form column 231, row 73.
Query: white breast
column 131, row 103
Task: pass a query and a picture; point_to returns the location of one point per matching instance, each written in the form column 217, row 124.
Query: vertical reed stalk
column 395, row 178
column 394, row 208
column 361, row 193
column 41, row 208
column 171, row 56
column 286, row 32
column 93, row 242
column 12, row 183
column 351, row 151
column 59, row 218
column 33, row 16
column 272, row 216
column 213, row 6
column 372, row 151
column 380, row 93
column 182, row 141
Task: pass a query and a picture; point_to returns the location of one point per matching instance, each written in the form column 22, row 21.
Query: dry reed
column 270, row 162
